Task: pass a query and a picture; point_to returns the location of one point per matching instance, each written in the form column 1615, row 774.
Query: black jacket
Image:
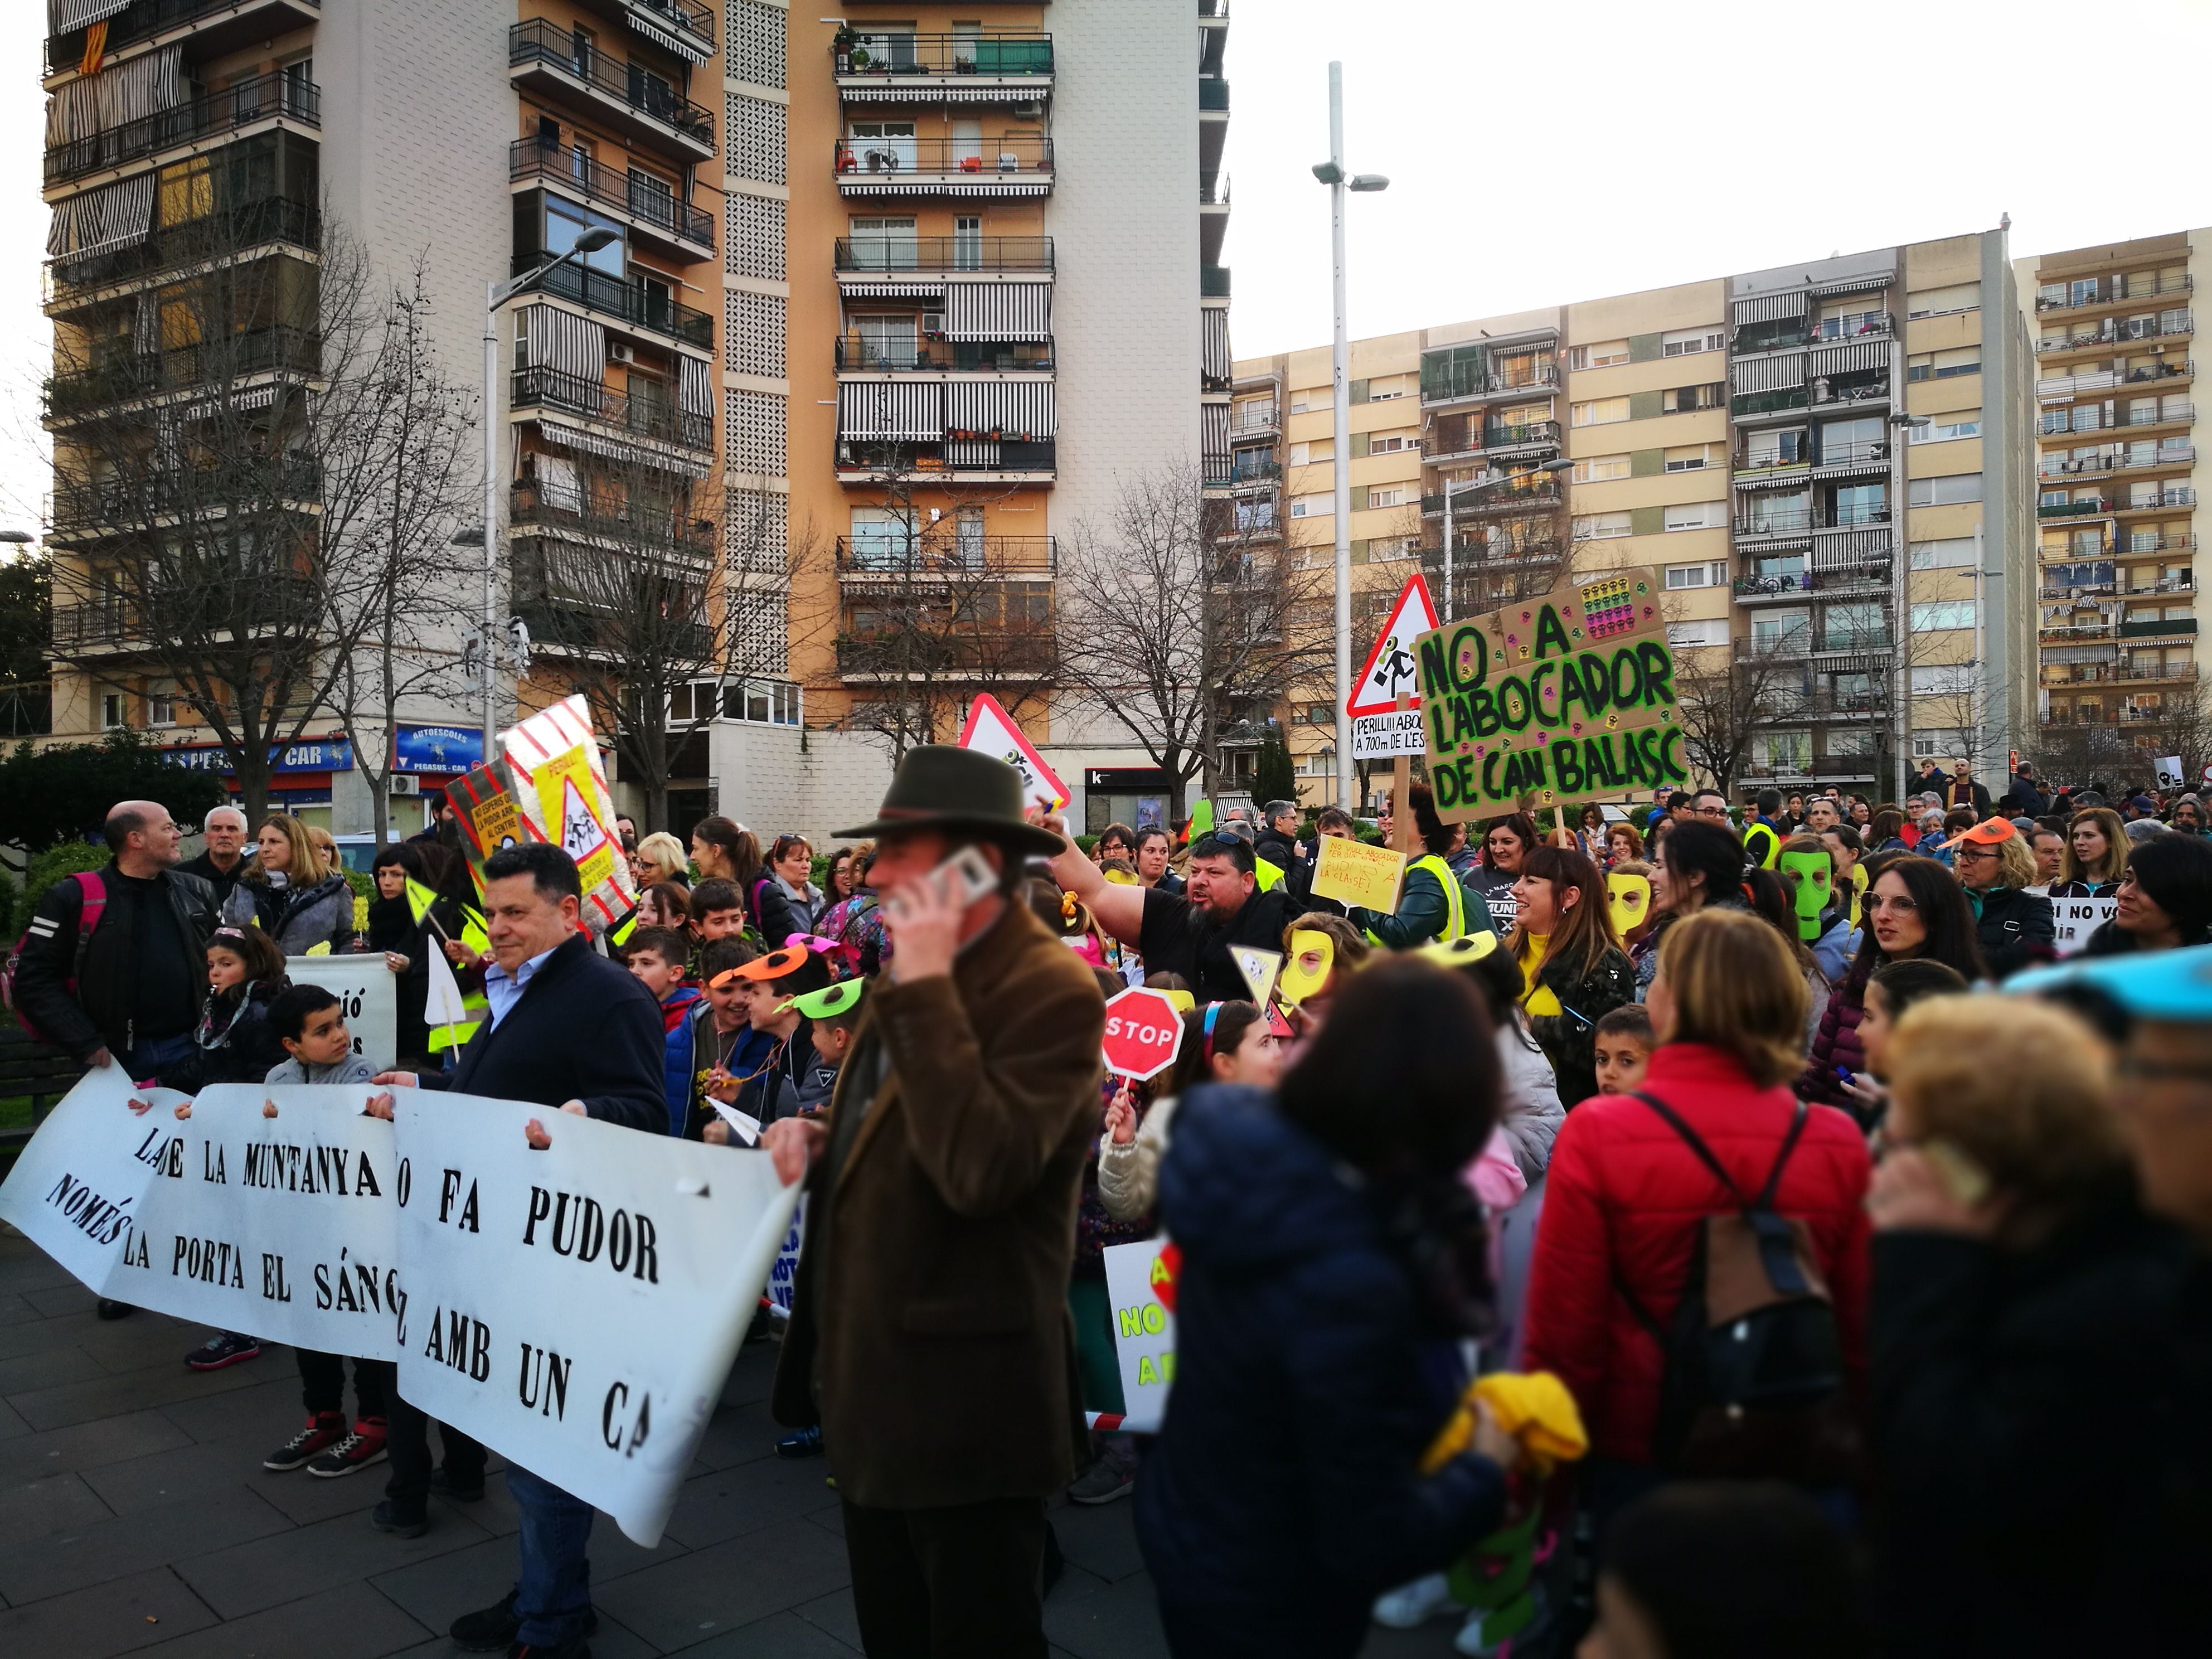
column 1285, row 1492
column 2016, row 930
column 99, row 1015
column 221, row 880
column 2038, row 1422
column 769, row 908
column 237, row 1044
column 584, row 1029
column 1569, row 1039
column 1278, row 849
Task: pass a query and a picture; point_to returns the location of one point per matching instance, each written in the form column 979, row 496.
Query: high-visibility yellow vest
column 1455, row 898
column 1761, row 845
column 1268, row 874
column 458, row 1034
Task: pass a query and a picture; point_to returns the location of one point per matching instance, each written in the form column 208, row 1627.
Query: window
column 1298, row 405
column 1768, row 513
column 1681, row 399
column 1936, row 614
column 1597, row 469
column 1603, row 355
column 112, row 707
column 1687, row 342
column 1945, row 679
column 1393, row 496
column 1763, row 449
column 1951, row 553
column 1689, row 458
column 1852, row 628
column 1697, row 516
column 1602, row 526
column 1851, row 319
column 1705, row 573
column 1852, row 441
column 884, row 244
column 1256, row 513
column 1948, row 490
column 1313, row 507
column 1379, row 444
column 161, row 708
column 1943, row 365
column 1781, row 630
column 1301, row 454
column 1789, row 753
column 565, row 222
column 1598, row 412
column 1942, row 301
column 1949, row 428
column 1714, row 631
column 1388, row 549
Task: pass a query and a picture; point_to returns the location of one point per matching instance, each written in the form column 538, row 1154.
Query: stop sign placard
column 1143, row 1031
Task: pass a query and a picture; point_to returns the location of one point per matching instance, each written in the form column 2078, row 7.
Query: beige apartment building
column 2117, row 481
column 1826, row 463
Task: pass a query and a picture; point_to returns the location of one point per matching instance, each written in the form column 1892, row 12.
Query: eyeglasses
column 1708, row 812
column 1901, row 907
column 1976, row 854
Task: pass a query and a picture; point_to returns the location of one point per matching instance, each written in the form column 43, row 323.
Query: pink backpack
column 93, row 900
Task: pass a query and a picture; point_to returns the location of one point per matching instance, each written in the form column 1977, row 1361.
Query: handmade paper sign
column 1564, row 698
column 560, row 791
column 992, row 729
column 1140, row 1285
column 2073, row 920
column 1354, row 873
column 1259, row 966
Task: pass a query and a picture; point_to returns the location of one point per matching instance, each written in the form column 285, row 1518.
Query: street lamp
column 1902, row 427
column 1468, row 487
column 495, row 295
column 1332, row 174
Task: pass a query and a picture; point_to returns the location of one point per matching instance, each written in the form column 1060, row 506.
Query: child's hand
column 379, row 1105
column 1121, row 1117
column 716, row 1134
column 721, row 1087
column 1492, row 1441
column 184, row 1109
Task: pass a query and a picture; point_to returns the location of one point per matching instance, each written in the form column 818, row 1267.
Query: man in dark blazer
column 568, row 1029
column 930, row 1336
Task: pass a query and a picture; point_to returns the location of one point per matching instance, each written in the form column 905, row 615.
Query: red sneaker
column 323, row 1430
column 364, row 1446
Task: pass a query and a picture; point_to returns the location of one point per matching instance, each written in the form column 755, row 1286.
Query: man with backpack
column 113, row 969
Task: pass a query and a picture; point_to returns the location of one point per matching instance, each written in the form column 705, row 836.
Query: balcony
column 215, row 366
column 1460, row 388
column 1003, row 67
column 944, row 167
column 2073, row 386
column 553, row 62
column 1454, row 436
column 2136, row 542
column 153, row 500
column 969, row 460
column 685, row 27
column 204, row 610
column 858, row 355
column 1761, row 405
column 1831, row 584
column 245, row 103
column 2058, row 423
column 1475, row 503
column 2115, row 334
column 2137, row 292
column 1213, row 282
column 2070, row 509
column 644, row 204
column 1213, row 96
column 2167, row 627
column 1838, row 461
column 631, row 304
column 656, row 420
column 2097, row 465
column 944, row 559
column 2157, row 500
column 1845, row 391
column 2074, row 633
column 229, row 237
column 1243, row 472
column 892, row 655
column 1255, row 419
column 931, row 258
column 535, row 503
column 145, row 20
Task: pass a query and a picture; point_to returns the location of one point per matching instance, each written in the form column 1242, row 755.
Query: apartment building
column 1823, row 461
column 2116, row 483
column 484, row 139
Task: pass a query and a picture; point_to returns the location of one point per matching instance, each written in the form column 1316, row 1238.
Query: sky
column 1708, row 136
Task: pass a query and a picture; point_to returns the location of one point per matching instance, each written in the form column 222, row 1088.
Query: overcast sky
column 1709, row 136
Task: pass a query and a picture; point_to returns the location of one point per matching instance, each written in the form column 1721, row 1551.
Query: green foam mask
column 1808, row 874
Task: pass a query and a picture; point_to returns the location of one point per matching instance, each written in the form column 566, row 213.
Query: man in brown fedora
column 929, row 1336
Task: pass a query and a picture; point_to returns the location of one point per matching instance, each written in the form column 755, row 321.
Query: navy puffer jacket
column 1285, row 1493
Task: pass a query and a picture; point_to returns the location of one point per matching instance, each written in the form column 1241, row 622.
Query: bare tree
column 1726, row 697
column 1174, row 637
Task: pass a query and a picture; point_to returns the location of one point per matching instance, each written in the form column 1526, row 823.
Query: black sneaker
column 323, row 1430
column 364, row 1446
column 109, row 1309
column 461, row 1491
column 223, row 1348
column 388, row 1519
column 807, row 1443
column 495, row 1628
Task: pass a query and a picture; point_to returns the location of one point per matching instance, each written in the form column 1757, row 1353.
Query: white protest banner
column 367, row 993
column 1140, row 1285
column 577, row 1308
column 783, row 1277
column 2073, row 920
column 76, row 1188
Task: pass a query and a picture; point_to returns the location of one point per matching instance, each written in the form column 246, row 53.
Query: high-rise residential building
column 2117, row 481
column 1825, row 463
column 203, row 159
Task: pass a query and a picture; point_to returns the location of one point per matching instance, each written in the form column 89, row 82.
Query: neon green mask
column 1809, row 875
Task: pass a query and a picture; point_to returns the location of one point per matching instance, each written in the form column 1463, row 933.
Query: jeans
column 147, row 1062
column 555, row 1589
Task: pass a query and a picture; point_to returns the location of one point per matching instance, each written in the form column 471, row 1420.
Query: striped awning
column 1851, row 359
column 1780, row 478
column 1856, row 285
column 2055, row 653
column 1851, row 549
column 562, row 340
column 1213, row 342
column 666, row 40
column 891, row 412
column 1771, row 307
column 63, row 15
column 998, row 311
column 695, row 390
column 1213, row 431
column 114, row 216
column 1768, row 374
column 615, row 449
column 1015, row 409
column 892, row 290
column 143, row 87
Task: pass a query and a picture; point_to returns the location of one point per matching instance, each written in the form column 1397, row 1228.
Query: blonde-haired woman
column 1630, row 1174
column 2096, row 855
column 2016, row 927
column 660, row 857
column 291, row 893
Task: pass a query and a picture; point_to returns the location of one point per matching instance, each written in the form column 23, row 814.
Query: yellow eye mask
column 1628, row 901
column 1313, row 954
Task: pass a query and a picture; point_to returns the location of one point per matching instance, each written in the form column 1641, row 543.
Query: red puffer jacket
column 1837, row 1044
column 1623, row 1197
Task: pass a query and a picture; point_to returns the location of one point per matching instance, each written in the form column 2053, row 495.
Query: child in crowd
column 311, row 1024
column 246, row 974
column 786, row 1083
column 717, row 912
column 830, row 1016
column 664, row 905
column 726, row 1050
column 660, row 958
column 1625, row 1042
column 1889, row 993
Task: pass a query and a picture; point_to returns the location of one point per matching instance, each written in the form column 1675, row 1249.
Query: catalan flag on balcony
column 95, row 48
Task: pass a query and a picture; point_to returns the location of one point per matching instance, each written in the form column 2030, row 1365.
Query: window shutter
column 1643, row 348
column 1646, row 462
column 1644, row 405
column 1646, row 521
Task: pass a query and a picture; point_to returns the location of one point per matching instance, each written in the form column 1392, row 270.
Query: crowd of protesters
column 1690, row 1230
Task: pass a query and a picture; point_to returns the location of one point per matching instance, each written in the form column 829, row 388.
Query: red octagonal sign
column 1143, row 1031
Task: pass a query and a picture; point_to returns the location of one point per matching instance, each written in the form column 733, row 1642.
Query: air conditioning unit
column 406, row 783
column 933, row 324
column 1027, row 112
column 619, row 353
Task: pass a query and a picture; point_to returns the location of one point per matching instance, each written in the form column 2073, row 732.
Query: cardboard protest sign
column 559, row 789
column 1140, row 1282
column 2170, row 774
column 368, row 995
column 1564, row 698
column 1259, row 966
column 1354, row 873
column 2073, row 920
column 485, row 804
column 992, row 729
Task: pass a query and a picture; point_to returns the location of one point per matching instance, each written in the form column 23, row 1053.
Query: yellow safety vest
column 1455, row 898
column 455, row 1035
column 1268, row 874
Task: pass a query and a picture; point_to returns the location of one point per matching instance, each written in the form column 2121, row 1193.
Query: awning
column 1771, row 307
column 1851, row 359
column 1213, row 431
column 2057, row 654
column 891, row 412
column 892, row 290
column 1213, row 342
column 1769, row 374
column 998, row 311
column 695, row 390
column 1015, row 409
column 594, row 443
column 143, row 87
column 1782, row 479
column 63, row 15
column 667, row 40
column 561, row 340
column 1856, row 285
column 1849, row 549
column 114, row 216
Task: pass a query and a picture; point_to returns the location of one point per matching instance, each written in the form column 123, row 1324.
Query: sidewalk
column 135, row 1517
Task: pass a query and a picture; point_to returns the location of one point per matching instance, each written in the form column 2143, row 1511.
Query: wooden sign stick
column 1401, row 778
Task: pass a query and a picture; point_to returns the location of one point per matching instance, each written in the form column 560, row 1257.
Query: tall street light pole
column 1332, row 174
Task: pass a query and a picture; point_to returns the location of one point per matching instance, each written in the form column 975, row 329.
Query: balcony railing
column 1254, row 417
column 2150, row 290
column 646, row 94
column 140, row 21
column 954, row 456
column 917, row 655
column 1812, row 581
column 2182, row 497
column 628, row 302
column 1255, row 471
column 691, row 15
column 1865, row 454
column 2165, row 627
column 152, row 499
column 209, row 365
column 1212, row 94
column 981, row 159
column 2152, row 542
column 1790, row 521
column 220, row 235
column 1769, row 402
column 1000, row 53
column 2090, row 465
column 2114, row 335
column 236, row 608
column 578, row 395
column 2073, row 386
column 1471, row 501
column 1213, row 282
column 1214, row 191
column 858, row 354
column 2070, row 509
column 543, row 504
column 2058, row 423
column 641, row 198
column 262, row 98
column 950, row 557
column 868, row 253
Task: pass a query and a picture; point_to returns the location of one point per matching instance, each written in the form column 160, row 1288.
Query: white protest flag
column 578, row 1308
column 443, row 1005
